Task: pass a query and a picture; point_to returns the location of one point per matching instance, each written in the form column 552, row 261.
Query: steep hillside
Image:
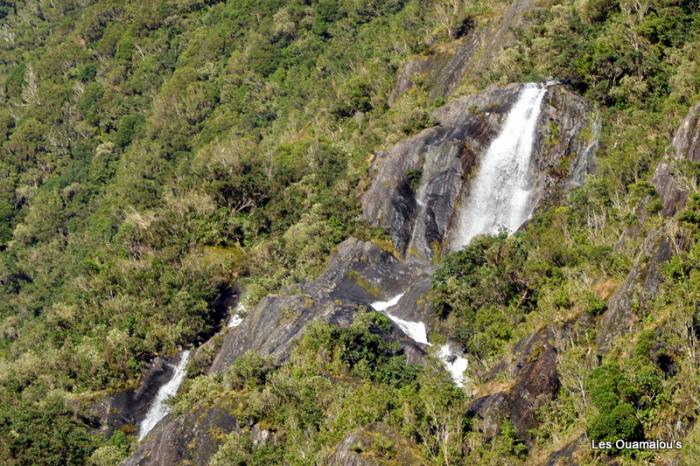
column 290, row 213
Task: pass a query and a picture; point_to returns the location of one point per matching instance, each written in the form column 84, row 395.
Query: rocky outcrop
column 415, row 195
column 686, row 141
column 642, row 283
column 375, row 445
column 443, row 70
column 669, row 179
column 129, row 407
column 190, row 439
column 357, row 275
column 419, row 184
column 536, row 382
column 631, row 300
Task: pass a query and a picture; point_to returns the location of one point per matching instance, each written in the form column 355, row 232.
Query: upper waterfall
column 500, row 193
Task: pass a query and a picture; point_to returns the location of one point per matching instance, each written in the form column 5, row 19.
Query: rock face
column 359, row 274
column 442, row 71
column 129, row 407
column 644, row 280
column 192, row 438
column 419, row 215
column 668, row 178
column 536, row 383
column 368, row 447
column 641, row 285
column 686, row 142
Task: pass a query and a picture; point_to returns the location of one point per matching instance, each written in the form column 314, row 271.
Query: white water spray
column 501, row 191
column 159, row 408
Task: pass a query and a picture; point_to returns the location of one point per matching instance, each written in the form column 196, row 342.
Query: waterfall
column 159, row 408
column 500, row 193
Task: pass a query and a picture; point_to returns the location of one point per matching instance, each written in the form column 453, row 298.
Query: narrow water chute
column 159, row 408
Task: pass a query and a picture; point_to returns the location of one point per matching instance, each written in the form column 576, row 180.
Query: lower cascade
column 500, row 193
column 159, row 409
column 455, row 365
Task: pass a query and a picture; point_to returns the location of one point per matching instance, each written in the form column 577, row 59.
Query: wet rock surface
column 418, row 187
column 536, row 382
column 129, row 407
column 190, row 439
column 419, row 216
column 359, row 274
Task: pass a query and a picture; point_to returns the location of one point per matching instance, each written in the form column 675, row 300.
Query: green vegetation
column 154, row 153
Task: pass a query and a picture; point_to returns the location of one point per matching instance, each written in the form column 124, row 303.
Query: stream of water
column 159, row 408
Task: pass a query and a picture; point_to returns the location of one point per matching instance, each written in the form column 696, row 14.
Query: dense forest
column 159, row 156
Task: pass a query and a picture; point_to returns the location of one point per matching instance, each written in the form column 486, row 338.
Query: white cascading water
column 236, row 318
column 455, row 364
column 159, row 407
column 500, row 193
column 415, row 330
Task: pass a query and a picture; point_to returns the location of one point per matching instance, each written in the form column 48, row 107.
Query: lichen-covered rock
column 419, row 184
column 686, row 141
column 375, row 445
column 190, row 439
column 535, row 383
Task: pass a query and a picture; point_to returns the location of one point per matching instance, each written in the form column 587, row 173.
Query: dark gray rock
column 190, row 439
column 419, row 217
column 368, row 447
column 536, row 383
column 129, row 407
column 357, row 275
column 443, row 70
